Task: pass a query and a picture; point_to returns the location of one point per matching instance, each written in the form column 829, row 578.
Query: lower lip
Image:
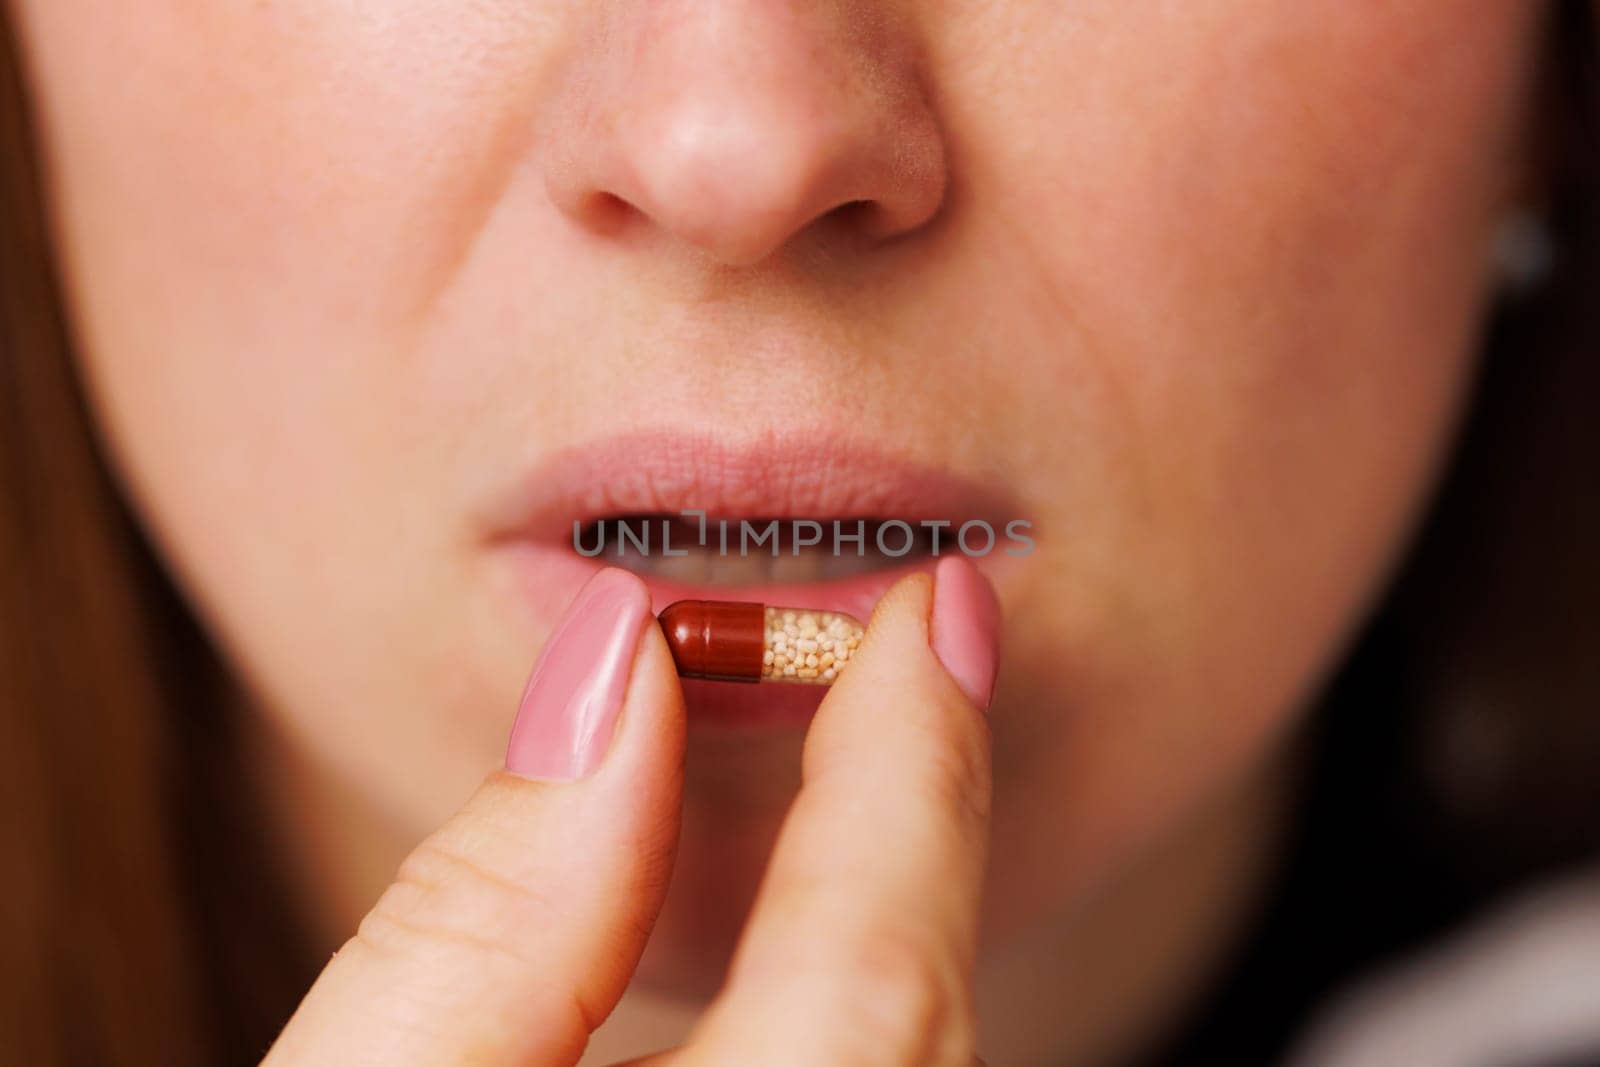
column 547, row 577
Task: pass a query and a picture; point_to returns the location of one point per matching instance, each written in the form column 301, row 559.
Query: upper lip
column 790, row 475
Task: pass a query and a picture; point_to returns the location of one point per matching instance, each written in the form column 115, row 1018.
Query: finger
column 510, row 933
column 860, row 947
column 677, row 1058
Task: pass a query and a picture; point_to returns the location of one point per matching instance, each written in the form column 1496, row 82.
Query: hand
column 509, row 934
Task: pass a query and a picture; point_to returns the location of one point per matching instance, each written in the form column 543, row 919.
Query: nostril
column 606, row 212
column 864, row 219
column 849, row 223
column 855, row 212
column 872, row 218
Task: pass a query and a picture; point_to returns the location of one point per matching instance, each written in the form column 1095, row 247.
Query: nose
column 735, row 125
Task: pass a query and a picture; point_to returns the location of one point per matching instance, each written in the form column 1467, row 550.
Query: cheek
column 250, row 222
column 1251, row 257
column 294, row 157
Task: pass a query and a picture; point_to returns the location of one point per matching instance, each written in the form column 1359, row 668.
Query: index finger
column 861, row 944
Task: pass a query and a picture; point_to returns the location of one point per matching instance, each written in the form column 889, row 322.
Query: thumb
column 861, row 945
column 510, row 933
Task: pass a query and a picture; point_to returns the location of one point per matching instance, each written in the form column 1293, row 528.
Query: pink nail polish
column 966, row 627
column 570, row 705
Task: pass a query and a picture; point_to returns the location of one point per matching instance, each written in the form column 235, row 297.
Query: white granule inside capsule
column 808, row 646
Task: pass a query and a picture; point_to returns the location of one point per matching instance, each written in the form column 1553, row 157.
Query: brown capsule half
column 718, row 639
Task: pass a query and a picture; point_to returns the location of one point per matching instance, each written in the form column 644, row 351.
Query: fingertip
column 651, row 728
column 911, row 597
column 901, row 614
column 952, row 612
column 599, row 658
column 897, row 686
column 964, row 629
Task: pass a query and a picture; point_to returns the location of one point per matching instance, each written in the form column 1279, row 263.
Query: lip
column 789, row 476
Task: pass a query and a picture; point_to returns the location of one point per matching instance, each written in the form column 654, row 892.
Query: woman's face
column 377, row 297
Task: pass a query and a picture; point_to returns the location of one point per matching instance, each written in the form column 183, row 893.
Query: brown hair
column 140, row 920
column 141, row 924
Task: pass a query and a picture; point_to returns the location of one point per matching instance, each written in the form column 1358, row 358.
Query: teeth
column 705, row 566
column 737, row 570
column 692, row 569
column 790, row 569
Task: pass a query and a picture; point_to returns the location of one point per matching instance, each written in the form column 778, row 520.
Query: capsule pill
column 745, row 642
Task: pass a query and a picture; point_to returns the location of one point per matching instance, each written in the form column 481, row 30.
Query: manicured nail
column 966, row 627
column 570, row 705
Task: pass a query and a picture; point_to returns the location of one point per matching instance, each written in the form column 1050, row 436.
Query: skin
column 1196, row 285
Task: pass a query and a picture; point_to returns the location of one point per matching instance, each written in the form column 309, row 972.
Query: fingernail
column 570, row 705
column 966, row 627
